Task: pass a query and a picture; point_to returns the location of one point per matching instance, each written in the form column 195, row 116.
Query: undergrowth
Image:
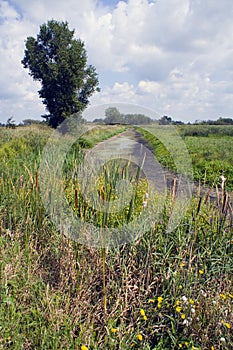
column 164, row 290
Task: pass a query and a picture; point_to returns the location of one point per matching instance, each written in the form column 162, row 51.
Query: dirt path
column 131, row 144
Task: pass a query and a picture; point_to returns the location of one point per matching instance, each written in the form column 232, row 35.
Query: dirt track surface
column 131, row 143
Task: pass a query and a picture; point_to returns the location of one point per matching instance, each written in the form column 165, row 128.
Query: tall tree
column 59, row 62
column 112, row 116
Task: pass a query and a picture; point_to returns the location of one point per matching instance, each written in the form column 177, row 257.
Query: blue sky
column 173, row 56
column 111, row 3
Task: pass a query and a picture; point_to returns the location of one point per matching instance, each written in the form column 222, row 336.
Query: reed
column 164, row 290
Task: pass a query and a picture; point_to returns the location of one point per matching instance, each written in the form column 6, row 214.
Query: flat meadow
column 164, row 290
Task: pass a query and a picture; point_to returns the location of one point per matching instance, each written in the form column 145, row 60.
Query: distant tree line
column 219, row 121
column 113, row 116
column 10, row 123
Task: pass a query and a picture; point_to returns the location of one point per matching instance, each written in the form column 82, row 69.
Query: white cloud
column 7, row 12
column 174, row 56
column 149, row 87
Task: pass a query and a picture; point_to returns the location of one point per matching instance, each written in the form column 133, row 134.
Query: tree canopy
column 59, row 62
column 113, row 116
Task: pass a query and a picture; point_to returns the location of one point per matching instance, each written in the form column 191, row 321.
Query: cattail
column 37, row 180
column 21, row 181
column 76, row 198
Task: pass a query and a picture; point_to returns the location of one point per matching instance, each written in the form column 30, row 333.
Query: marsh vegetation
column 164, row 290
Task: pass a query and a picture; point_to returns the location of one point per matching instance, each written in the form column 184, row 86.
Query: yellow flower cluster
column 140, row 337
column 143, row 314
column 160, row 300
column 186, row 344
column 114, row 330
column 185, row 306
column 83, row 347
column 225, row 296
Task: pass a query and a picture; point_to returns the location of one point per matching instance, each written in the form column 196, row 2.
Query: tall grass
column 210, row 149
column 165, row 290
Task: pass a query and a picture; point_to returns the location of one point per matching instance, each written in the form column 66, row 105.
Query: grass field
column 165, row 290
column 210, row 149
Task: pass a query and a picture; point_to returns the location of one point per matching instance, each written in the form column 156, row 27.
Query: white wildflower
column 184, row 299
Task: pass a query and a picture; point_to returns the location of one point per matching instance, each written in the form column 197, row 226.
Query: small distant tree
column 113, row 116
column 10, row 123
column 98, row 121
column 137, row 119
column 165, row 120
column 27, row 122
column 59, row 62
column 224, row 121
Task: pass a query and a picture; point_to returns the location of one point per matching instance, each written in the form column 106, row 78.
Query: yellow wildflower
column 151, row 300
column 230, row 295
column 183, row 316
column 201, row 272
column 145, row 318
column 212, row 347
column 178, row 309
column 140, row 337
column 223, row 296
column 186, row 343
column 191, row 301
column 228, row 325
column 159, row 306
column 83, row 347
column 142, row 312
column 114, row 330
column 160, row 299
column 180, row 346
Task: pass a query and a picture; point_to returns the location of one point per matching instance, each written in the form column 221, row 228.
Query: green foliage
column 106, row 188
column 165, row 120
column 210, row 149
column 219, row 121
column 102, row 133
column 113, row 116
column 164, row 291
column 212, row 157
column 10, row 123
column 205, row 130
column 59, row 62
column 137, row 119
column 160, row 151
column 27, row 122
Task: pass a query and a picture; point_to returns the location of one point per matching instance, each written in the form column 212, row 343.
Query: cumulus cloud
column 174, row 56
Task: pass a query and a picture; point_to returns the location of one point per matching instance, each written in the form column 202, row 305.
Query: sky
column 172, row 56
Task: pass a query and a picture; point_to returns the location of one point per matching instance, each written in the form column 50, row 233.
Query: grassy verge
column 212, row 157
column 98, row 134
column 166, row 290
column 210, row 149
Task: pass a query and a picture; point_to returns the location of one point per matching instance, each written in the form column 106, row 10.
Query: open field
column 210, row 149
column 165, row 290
